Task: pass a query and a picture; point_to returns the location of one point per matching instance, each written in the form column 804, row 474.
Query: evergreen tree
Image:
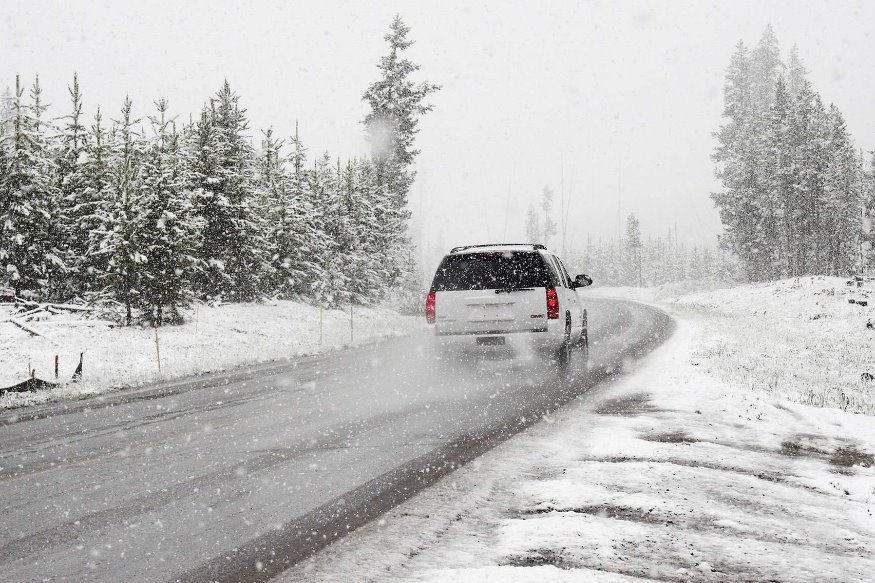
column 547, row 206
column 273, row 185
column 784, row 179
column 306, row 238
column 231, row 252
column 368, row 212
column 364, row 284
column 121, row 221
column 6, row 110
column 736, row 163
column 168, row 235
column 396, row 104
column 72, row 186
column 634, row 273
column 28, row 242
column 811, row 132
column 766, row 67
column 797, row 74
column 867, row 221
column 791, row 196
column 93, row 208
column 841, row 207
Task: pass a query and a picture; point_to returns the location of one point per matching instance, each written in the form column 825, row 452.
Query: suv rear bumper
column 540, row 339
column 490, row 332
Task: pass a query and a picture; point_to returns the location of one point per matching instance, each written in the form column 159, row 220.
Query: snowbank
column 809, row 340
column 798, row 339
column 212, row 339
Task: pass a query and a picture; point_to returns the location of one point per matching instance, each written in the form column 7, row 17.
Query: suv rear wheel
column 583, row 341
column 564, row 355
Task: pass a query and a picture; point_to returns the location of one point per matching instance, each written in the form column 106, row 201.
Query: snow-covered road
column 235, row 477
column 667, row 474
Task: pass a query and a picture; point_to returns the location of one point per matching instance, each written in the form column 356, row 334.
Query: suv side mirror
column 581, row 281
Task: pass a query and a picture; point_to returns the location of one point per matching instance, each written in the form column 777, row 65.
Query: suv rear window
column 508, row 270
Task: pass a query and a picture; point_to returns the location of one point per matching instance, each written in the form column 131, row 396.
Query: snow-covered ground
column 798, row 339
column 212, row 339
column 685, row 470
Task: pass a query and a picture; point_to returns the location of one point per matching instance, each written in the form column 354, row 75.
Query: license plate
column 491, row 341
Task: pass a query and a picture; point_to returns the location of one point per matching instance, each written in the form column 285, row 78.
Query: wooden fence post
column 157, row 348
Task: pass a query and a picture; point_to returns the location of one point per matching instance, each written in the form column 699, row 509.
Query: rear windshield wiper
column 513, row 289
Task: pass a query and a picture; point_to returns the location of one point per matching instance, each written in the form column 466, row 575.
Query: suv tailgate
column 491, row 311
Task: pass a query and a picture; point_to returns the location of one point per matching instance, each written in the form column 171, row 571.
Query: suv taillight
column 552, row 304
column 429, row 307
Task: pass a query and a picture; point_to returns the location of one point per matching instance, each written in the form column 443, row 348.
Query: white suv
column 493, row 295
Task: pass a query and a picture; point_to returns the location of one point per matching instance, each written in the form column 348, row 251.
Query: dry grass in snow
column 798, row 339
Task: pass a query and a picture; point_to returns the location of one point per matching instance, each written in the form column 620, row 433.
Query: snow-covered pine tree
column 369, row 208
column 211, row 206
column 842, row 200
column 766, row 69
column 276, row 203
column 169, row 229
column 121, row 221
column 778, row 199
column 72, row 184
column 632, row 264
column 29, row 251
column 867, row 223
column 811, row 132
column 231, row 253
column 735, row 163
column 5, row 116
column 306, row 237
column 342, row 233
column 358, row 262
column 322, row 190
column 95, row 206
column 396, row 104
column 797, row 74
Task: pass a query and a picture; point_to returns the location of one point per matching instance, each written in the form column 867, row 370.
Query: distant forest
column 631, row 259
column 643, row 262
column 147, row 214
column 797, row 198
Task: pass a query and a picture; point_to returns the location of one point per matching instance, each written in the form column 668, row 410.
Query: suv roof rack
column 532, row 245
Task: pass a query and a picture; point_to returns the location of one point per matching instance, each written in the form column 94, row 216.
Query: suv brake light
column 552, row 304
column 429, row 307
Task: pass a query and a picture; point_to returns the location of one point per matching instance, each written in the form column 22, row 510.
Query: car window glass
column 492, row 270
column 554, row 270
column 564, row 272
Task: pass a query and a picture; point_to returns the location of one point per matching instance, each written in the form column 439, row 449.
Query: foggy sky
column 604, row 98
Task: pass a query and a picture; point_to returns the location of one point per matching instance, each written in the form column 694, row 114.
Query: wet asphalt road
column 236, row 477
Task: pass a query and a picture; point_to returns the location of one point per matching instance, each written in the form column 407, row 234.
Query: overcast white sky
column 608, row 95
